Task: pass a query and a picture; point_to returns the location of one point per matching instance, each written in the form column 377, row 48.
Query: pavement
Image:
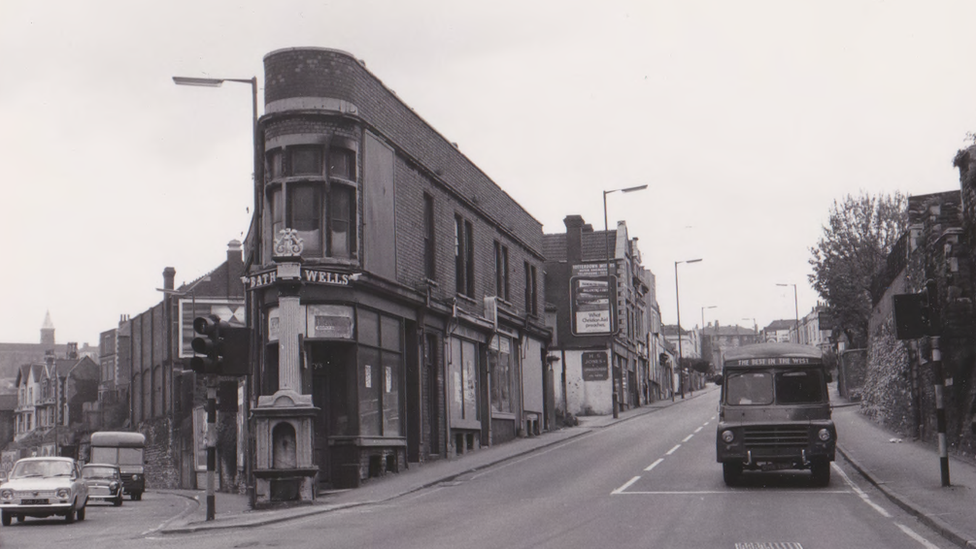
column 907, row 472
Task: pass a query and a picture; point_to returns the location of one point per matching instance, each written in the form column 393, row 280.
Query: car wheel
column 81, row 513
column 731, row 471
column 69, row 517
column 5, row 518
column 820, row 472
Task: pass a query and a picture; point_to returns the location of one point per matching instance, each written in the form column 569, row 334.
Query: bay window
column 303, row 197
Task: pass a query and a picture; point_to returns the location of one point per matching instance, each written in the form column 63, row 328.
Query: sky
column 746, row 120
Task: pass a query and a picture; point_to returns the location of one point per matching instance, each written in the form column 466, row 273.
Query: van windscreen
column 749, row 388
column 799, row 387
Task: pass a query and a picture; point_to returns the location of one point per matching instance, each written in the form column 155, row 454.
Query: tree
column 853, row 248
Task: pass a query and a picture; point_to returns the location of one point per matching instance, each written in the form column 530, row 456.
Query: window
column 306, row 160
column 464, row 256
column 799, row 387
column 500, row 357
column 341, row 230
column 749, row 388
column 380, row 366
column 321, row 211
column 342, row 163
column 430, row 264
column 531, row 295
column 501, row 271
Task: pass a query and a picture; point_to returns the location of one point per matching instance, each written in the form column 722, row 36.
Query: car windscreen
column 799, row 386
column 41, row 468
column 98, row 472
column 749, row 388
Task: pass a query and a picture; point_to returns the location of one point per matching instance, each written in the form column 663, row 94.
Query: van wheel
column 5, row 518
column 731, row 471
column 81, row 513
column 820, row 472
column 69, row 517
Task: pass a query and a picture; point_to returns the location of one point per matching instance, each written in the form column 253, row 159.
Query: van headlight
column 824, row 435
column 728, row 436
column 63, row 493
column 6, row 494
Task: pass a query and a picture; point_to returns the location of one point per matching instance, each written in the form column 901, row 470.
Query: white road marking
column 698, row 430
column 881, row 510
column 673, row 450
column 625, row 486
column 687, row 438
column 917, row 537
column 653, row 465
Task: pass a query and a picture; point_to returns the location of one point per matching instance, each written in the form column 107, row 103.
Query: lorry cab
column 774, row 412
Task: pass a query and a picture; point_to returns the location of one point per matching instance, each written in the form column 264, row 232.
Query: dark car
column 104, row 482
column 42, row 487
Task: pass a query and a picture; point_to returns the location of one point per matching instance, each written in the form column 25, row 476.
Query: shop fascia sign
column 306, row 274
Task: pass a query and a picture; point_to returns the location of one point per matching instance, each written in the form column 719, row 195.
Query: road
column 650, row 482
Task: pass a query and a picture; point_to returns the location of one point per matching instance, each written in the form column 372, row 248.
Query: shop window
column 380, row 366
column 501, row 370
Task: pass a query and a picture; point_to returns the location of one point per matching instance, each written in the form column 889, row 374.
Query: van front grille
column 776, row 436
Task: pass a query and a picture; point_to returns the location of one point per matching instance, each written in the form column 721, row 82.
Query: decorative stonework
column 288, row 244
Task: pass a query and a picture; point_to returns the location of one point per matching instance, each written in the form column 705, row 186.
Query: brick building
column 395, row 290
column 602, row 324
column 145, row 367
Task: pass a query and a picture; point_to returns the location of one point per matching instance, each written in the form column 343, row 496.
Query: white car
column 42, row 487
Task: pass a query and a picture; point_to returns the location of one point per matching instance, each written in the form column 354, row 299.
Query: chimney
column 73, row 350
column 574, row 238
column 169, row 275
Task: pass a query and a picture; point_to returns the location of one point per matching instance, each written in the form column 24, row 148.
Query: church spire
column 47, row 333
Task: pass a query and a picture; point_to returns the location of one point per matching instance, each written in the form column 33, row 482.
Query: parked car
column 42, row 487
column 104, row 482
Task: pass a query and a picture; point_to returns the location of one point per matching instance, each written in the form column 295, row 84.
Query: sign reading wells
column 595, row 366
column 591, row 299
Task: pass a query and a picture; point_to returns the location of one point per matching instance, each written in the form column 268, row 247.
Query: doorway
column 332, row 365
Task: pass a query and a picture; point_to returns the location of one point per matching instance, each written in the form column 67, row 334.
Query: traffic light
column 225, row 347
column 208, row 343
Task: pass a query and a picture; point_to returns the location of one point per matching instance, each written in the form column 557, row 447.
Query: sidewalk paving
column 907, row 472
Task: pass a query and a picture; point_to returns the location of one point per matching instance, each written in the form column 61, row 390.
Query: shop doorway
column 333, row 366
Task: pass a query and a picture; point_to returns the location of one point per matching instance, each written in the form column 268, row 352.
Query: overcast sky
column 745, row 119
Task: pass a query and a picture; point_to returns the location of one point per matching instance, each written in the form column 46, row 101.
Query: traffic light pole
column 940, row 414
column 211, row 446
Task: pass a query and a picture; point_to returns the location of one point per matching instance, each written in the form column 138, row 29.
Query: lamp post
column 677, row 303
column 796, row 310
column 613, row 320
column 755, row 327
column 258, row 205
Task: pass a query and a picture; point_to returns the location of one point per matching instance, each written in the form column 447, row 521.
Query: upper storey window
column 319, row 204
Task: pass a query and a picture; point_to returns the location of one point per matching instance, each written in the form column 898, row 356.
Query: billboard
column 592, row 300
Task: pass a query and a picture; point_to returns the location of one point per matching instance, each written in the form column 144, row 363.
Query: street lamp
column 258, row 205
column 613, row 319
column 796, row 310
column 677, row 303
column 755, row 327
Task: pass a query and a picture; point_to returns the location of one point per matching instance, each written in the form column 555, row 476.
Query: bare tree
column 854, row 246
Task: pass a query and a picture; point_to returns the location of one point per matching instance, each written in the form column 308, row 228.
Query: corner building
column 394, row 289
